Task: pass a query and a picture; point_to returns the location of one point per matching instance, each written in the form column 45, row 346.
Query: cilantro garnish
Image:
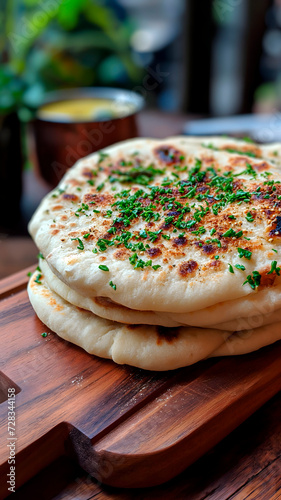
column 230, row 268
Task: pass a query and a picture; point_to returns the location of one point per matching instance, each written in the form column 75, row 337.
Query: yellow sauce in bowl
column 85, row 109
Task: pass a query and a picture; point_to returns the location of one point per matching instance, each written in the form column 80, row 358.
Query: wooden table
column 245, row 465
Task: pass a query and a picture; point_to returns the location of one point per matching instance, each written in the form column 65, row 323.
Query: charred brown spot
column 88, row 173
column 267, row 279
column 57, row 207
column 215, row 263
column 55, row 231
column 187, row 268
column 175, row 212
column 121, row 254
column 244, row 149
column 180, row 241
column 276, row 230
column 208, row 159
column 168, row 154
column 202, row 189
column 71, row 197
column 209, row 249
column 261, row 167
column 166, row 334
column 89, row 197
column 154, row 252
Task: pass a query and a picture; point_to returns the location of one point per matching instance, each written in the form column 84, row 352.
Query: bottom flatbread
column 142, row 346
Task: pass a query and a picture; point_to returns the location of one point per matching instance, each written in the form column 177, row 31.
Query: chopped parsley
column 240, row 266
column 230, row 268
column 40, row 256
column 38, row 278
column 244, row 253
column 103, row 268
column 249, row 217
column 230, row 233
column 274, row 269
column 253, row 281
column 44, row 334
column 80, row 245
column 112, row 285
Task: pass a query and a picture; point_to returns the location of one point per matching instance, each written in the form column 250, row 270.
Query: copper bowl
column 59, row 143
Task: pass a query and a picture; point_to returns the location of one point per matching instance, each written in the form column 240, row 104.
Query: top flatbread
column 162, row 224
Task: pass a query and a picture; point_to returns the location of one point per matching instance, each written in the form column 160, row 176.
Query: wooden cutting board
column 125, row 426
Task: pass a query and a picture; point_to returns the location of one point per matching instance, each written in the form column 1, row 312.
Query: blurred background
column 189, row 60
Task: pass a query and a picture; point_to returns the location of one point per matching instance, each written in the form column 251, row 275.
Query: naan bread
column 147, row 347
column 241, row 314
column 167, row 222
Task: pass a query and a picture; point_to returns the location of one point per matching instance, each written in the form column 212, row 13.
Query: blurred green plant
column 51, row 44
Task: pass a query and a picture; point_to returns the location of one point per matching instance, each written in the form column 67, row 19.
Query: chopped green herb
column 80, row 246
column 40, row 256
column 217, row 257
column 86, row 235
column 274, row 268
column 143, row 234
column 240, row 266
column 253, row 281
column 166, row 236
column 44, row 334
column 103, row 268
column 249, row 217
column 244, row 253
column 212, row 231
column 156, row 267
column 38, row 278
column 91, row 182
column 29, row 274
column 230, row 268
column 100, row 186
column 232, row 234
column 274, row 250
column 112, row 285
column 102, row 156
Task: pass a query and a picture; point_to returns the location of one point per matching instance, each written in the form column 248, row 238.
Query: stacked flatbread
column 158, row 254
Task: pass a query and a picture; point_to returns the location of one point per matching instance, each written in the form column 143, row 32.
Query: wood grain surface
column 124, row 426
